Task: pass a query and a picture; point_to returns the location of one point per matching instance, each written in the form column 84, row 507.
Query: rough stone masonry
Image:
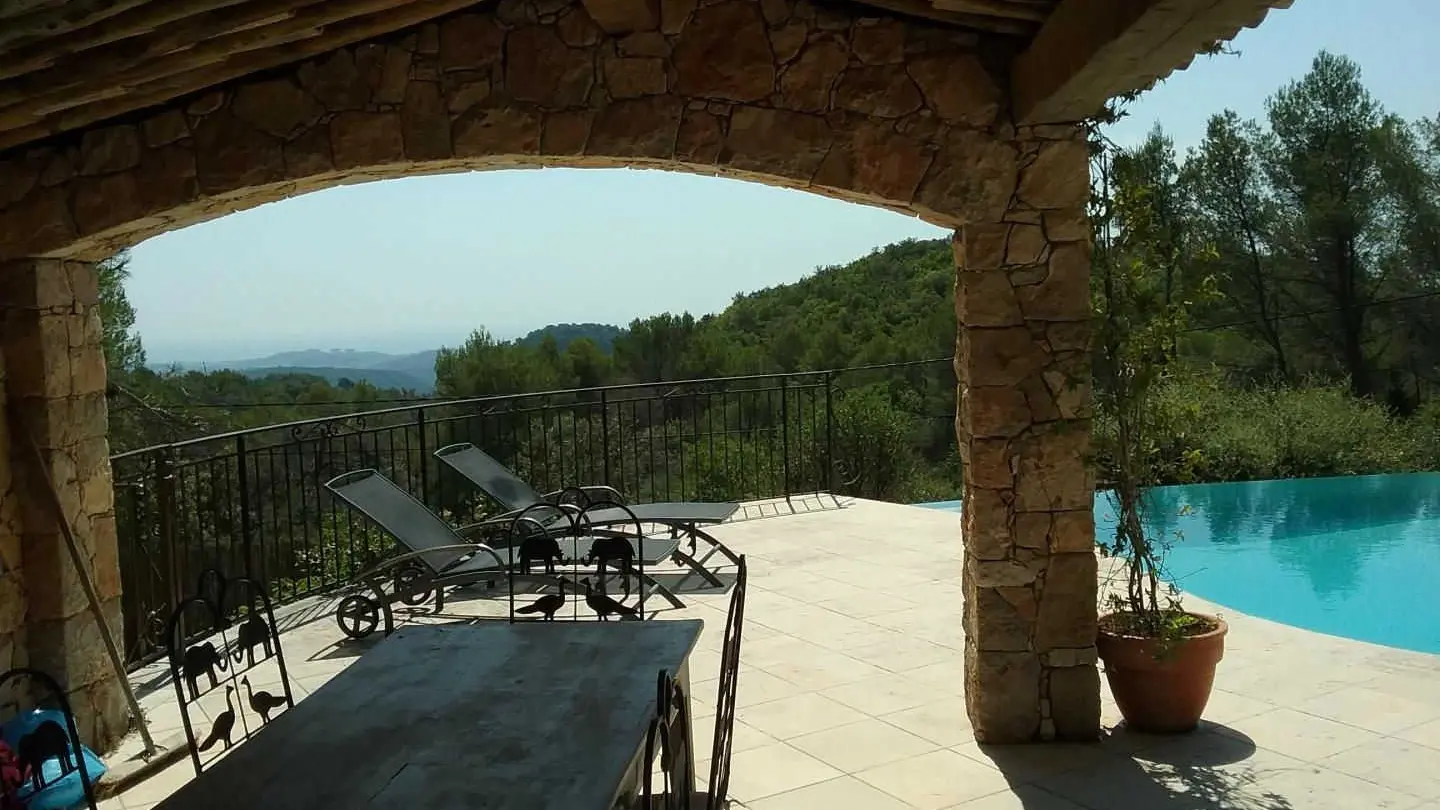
column 54, row 386
column 901, row 114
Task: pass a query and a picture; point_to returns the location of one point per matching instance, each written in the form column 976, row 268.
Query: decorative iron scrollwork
column 328, row 429
column 215, row 639
column 546, row 606
column 668, row 742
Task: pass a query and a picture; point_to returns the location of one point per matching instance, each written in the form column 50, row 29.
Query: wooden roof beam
column 147, row 18
column 1010, row 9
column 23, row 24
column 187, row 44
column 189, row 77
column 926, row 10
column 1090, row 51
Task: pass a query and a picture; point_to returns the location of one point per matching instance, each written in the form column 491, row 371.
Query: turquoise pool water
column 1357, row 557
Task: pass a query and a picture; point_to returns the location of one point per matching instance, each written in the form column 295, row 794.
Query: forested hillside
column 1302, row 250
column 344, row 377
column 414, row 371
column 601, row 334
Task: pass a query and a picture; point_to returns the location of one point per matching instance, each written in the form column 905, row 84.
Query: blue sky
column 360, row 266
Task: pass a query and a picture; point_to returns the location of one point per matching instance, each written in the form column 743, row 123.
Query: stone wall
column 54, row 387
column 898, row 114
column 892, row 113
column 1022, row 299
column 12, row 582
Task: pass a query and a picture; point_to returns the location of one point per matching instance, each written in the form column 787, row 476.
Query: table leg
column 683, row 777
column 685, row 783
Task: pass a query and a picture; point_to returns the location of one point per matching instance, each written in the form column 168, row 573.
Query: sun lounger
column 515, row 495
column 435, row 556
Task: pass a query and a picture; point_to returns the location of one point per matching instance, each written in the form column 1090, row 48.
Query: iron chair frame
column 220, row 624
column 669, row 738
column 718, row 784
column 580, row 528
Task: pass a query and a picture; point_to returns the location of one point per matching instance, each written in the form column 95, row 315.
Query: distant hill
column 603, row 335
column 314, row 358
column 420, row 365
column 414, row 372
column 378, row 377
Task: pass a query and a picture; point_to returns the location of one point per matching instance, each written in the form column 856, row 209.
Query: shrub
column 1425, row 426
column 1218, row 432
column 873, row 448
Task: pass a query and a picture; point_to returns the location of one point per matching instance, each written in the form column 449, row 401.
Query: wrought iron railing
column 254, row 501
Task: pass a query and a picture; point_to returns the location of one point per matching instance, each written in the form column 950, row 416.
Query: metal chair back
column 566, row 548
column 668, row 743
column 719, row 782
column 225, row 638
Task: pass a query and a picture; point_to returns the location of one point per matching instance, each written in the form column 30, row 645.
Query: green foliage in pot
column 1139, row 306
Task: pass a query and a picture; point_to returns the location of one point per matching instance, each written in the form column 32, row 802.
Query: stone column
column 12, row 581
column 54, row 390
column 1023, row 364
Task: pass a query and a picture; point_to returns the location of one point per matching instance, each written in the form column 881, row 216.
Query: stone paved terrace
column 850, row 696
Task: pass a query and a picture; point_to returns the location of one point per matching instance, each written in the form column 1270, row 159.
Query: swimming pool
column 1357, row 557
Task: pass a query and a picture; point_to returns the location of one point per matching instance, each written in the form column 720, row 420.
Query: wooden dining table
column 492, row 716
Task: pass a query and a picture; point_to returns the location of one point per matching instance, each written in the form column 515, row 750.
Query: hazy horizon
column 408, row 265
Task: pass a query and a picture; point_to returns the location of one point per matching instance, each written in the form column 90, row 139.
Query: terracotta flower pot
column 1165, row 695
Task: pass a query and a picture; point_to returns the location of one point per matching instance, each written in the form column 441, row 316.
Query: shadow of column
column 1214, row 768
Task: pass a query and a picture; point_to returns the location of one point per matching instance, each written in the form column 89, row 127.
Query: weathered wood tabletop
column 526, row 716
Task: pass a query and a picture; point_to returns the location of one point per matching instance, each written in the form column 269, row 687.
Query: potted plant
column 1159, row 658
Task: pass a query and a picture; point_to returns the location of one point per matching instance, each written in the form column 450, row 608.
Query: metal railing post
column 242, row 480
column 785, row 436
column 165, row 506
column 605, row 433
column 830, row 432
column 424, row 457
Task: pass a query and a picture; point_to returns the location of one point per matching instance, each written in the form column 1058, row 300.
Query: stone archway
column 898, row 114
column 901, row 114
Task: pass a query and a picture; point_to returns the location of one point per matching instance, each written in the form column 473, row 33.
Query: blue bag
column 59, row 792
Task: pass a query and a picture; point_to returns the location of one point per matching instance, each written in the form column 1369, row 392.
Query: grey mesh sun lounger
column 435, row 557
column 512, row 493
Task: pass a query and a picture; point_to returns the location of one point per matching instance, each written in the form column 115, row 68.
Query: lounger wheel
column 405, row 579
column 358, row 616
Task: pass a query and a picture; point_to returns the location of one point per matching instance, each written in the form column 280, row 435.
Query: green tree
column 590, row 367
column 1234, row 222
column 1167, row 220
column 653, row 349
column 124, row 351
column 485, row 366
column 1322, row 161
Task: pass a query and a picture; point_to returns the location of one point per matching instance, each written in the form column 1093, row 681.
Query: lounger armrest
column 492, row 522
column 503, row 521
column 503, row 517
column 595, row 492
column 485, row 528
column 477, row 548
